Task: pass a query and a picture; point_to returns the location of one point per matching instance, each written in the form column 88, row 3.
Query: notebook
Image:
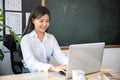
column 86, row 57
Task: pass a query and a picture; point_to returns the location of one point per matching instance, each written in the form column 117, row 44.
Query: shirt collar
column 33, row 34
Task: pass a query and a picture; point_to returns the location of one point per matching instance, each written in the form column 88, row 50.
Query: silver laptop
column 87, row 57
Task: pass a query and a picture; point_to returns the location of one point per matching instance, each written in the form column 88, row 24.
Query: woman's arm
column 57, row 53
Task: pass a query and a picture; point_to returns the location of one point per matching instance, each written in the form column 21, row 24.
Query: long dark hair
column 37, row 12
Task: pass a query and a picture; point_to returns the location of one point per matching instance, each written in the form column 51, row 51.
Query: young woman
column 38, row 46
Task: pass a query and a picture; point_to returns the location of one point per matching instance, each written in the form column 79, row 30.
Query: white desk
column 52, row 76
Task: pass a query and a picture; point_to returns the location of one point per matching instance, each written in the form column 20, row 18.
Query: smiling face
column 41, row 24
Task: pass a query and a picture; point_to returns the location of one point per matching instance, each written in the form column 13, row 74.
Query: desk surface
column 53, row 76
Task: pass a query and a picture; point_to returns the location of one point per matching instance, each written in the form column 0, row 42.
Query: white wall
column 111, row 59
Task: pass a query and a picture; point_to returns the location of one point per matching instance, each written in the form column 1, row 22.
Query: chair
column 15, row 54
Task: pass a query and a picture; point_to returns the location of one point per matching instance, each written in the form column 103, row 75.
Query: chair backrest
column 15, row 54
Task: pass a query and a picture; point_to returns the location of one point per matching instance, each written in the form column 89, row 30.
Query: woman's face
column 41, row 24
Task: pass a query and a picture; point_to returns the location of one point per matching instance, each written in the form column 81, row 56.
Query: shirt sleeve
column 57, row 53
column 28, row 57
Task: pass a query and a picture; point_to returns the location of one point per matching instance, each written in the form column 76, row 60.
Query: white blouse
column 36, row 54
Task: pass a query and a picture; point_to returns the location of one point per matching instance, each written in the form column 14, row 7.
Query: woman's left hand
column 58, row 68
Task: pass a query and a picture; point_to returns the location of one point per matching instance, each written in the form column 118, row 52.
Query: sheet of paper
column 1, row 4
column 27, row 16
column 14, row 5
column 14, row 20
